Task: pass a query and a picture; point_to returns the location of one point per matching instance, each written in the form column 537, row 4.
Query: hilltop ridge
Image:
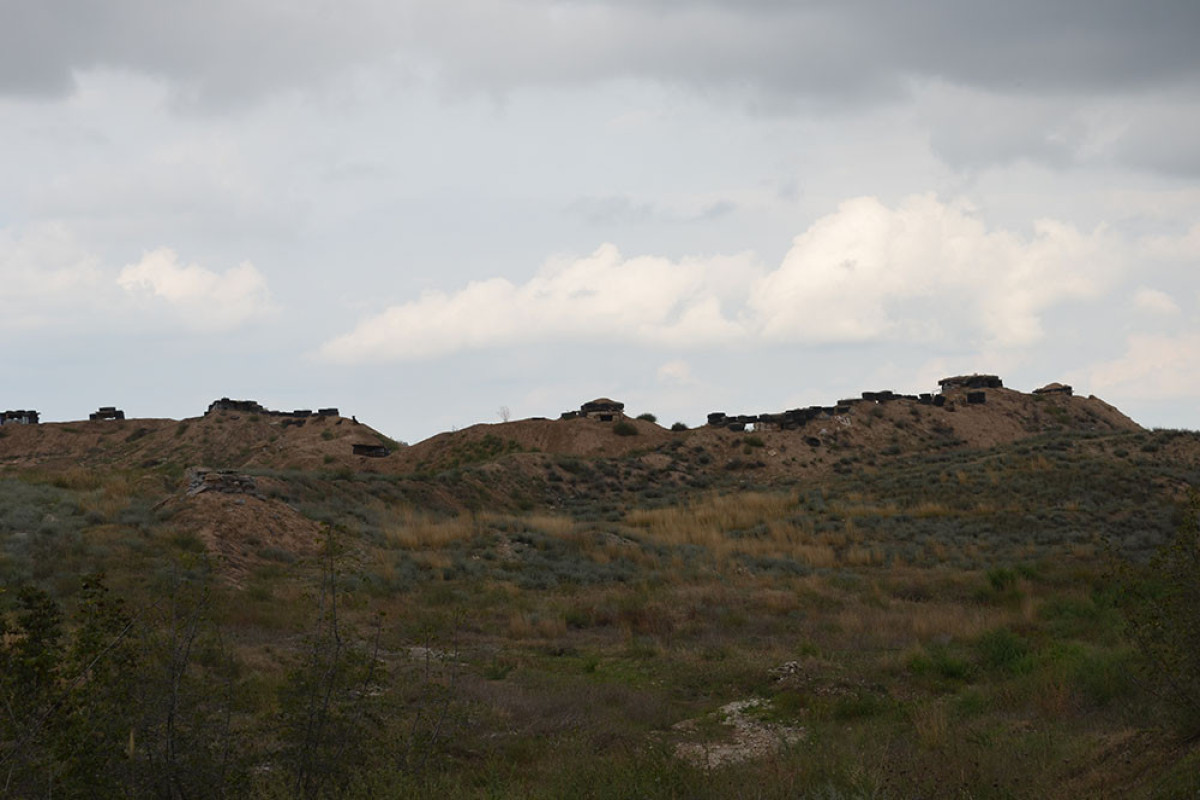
column 235, row 435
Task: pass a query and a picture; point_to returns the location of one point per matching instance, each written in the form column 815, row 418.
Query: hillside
column 221, row 439
column 886, row 599
column 239, row 440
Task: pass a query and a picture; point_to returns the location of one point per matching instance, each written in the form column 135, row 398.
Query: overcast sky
column 424, row 211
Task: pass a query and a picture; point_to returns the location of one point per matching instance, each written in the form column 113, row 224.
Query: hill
column 887, row 597
column 240, row 440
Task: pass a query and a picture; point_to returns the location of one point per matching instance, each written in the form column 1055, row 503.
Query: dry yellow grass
column 416, row 531
column 552, row 524
column 815, row 555
column 900, row 619
column 709, row 521
column 710, row 516
column 931, row 725
column 530, row 626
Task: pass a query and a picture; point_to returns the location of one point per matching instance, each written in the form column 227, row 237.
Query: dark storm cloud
column 210, row 51
column 1041, row 45
column 227, row 50
column 843, row 51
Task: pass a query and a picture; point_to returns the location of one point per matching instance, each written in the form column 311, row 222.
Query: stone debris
column 750, row 736
column 796, row 418
column 201, row 480
column 254, row 407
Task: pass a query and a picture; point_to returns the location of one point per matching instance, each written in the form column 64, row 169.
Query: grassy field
column 956, row 623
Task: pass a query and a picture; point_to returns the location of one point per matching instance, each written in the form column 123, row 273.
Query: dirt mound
column 239, row 526
column 864, row 430
column 221, row 439
column 571, row 437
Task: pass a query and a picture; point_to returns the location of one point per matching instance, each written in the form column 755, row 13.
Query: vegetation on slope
column 947, row 621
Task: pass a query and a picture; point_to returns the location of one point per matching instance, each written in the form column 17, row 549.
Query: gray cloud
column 226, row 50
column 213, row 52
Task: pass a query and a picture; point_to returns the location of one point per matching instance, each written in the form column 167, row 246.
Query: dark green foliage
column 678, row 427
column 326, row 718
column 648, row 417
column 118, row 706
column 1165, row 621
column 624, row 429
column 31, row 657
column 1004, row 650
column 942, row 663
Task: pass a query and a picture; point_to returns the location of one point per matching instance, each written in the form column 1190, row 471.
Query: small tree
column 648, row 417
column 328, row 700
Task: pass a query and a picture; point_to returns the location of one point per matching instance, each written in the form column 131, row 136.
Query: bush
column 648, row 417
column 625, row 429
column 1165, row 624
column 679, row 426
column 1003, row 650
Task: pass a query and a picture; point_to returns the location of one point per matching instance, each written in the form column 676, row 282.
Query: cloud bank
column 203, row 300
column 924, row 271
column 1153, row 367
column 601, row 297
column 46, row 276
column 223, row 48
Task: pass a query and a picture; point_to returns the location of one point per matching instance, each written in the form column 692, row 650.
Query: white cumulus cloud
column 46, row 277
column 601, row 297
column 924, row 271
column 204, row 300
column 1153, row 367
column 1155, row 302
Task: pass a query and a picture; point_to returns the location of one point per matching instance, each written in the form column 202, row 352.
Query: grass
column 944, row 625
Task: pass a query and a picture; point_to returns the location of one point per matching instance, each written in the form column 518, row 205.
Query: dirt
column 238, row 440
column 244, row 531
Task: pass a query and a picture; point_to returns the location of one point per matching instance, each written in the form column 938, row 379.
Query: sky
column 434, row 213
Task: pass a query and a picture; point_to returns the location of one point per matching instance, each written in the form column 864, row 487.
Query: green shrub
column 939, row 662
column 754, row 441
column 1165, row 623
column 625, row 429
column 679, row 426
column 648, row 417
column 1003, row 650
